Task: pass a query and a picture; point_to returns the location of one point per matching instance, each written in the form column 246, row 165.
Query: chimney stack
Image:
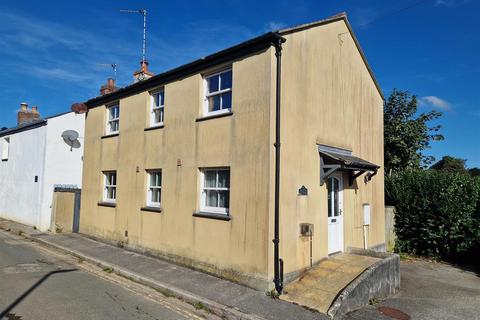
column 109, row 87
column 143, row 73
column 25, row 116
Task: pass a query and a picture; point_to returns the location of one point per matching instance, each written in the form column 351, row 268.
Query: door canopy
column 335, row 159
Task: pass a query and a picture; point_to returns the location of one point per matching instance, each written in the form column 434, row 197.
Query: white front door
column 335, row 213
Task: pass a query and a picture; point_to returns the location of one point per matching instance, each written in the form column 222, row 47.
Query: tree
column 474, row 172
column 450, row 164
column 406, row 134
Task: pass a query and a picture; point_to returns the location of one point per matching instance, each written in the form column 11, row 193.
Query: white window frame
column 107, row 186
column 150, row 203
column 203, row 199
column 112, row 120
column 5, row 148
column 154, row 107
column 219, row 92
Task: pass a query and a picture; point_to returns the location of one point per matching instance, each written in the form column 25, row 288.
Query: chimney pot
column 25, row 116
column 111, row 83
column 109, row 87
column 143, row 73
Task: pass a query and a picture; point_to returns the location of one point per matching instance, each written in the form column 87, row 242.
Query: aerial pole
column 143, row 12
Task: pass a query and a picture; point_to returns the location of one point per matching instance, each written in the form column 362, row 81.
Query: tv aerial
column 111, row 65
column 143, row 12
column 71, row 139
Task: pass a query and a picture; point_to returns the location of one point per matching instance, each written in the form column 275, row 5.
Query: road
column 39, row 283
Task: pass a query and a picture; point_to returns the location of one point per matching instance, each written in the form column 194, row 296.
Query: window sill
column 214, row 116
column 151, row 209
column 110, row 135
column 211, row 215
column 107, row 204
column 160, row 126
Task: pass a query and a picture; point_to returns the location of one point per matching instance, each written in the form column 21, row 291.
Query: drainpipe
column 278, row 262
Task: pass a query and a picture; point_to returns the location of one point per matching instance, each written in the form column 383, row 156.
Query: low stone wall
column 379, row 281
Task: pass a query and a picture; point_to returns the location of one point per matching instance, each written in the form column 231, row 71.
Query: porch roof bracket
column 354, row 175
column 327, row 170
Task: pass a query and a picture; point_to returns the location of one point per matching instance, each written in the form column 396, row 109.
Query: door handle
column 334, row 220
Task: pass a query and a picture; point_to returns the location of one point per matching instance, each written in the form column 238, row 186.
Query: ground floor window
column 110, row 186
column 215, row 190
column 154, row 189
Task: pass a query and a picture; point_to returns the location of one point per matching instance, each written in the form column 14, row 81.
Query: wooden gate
column 66, row 210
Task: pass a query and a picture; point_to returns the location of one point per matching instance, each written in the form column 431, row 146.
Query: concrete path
column 430, row 290
column 38, row 284
column 222, row 297
column 319, row 287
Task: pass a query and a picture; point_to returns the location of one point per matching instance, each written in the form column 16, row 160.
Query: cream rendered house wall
column 328, row 97
column 237, row 249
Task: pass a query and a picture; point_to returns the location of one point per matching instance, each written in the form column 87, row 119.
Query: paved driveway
column 431, row 291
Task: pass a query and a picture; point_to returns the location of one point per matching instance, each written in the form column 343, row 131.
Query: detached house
column 34, row 160
column 279, row 137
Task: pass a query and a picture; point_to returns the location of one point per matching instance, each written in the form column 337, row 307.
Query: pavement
column 36, row 284
column 430, row 290
column 319, row 287
column 221, row 297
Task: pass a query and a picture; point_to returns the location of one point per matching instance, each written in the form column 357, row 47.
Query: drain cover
column 394, row 313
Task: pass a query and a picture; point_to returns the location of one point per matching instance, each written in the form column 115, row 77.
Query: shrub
column 437, row 213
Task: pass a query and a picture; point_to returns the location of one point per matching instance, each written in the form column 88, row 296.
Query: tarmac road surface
column 38, row 283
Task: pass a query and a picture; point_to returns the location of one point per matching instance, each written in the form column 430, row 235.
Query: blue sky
column 50, row 51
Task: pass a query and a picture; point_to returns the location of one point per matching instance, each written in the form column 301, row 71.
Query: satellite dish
column 71, row 139
column 79, row 108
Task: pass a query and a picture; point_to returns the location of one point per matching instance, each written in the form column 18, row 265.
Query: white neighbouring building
column 35, row 159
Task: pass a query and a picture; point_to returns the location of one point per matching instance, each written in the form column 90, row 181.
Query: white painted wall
column 19, row 193
column 62, row 165
column 39, row 152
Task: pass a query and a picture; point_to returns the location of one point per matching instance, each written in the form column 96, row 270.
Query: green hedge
column 437, row 213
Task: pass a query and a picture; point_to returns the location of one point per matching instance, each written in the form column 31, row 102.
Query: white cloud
column 273, row 26
column 450, row 3
column 60, row 74
column 47, row 50
column 435, row 102
column 363, row 16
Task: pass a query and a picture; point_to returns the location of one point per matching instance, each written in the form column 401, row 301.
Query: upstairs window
column 113, row 119
column 110, row 186
column 218, row 92
column 157, row 108
column 154, row 190
column 215, row 190
column 5, row 148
